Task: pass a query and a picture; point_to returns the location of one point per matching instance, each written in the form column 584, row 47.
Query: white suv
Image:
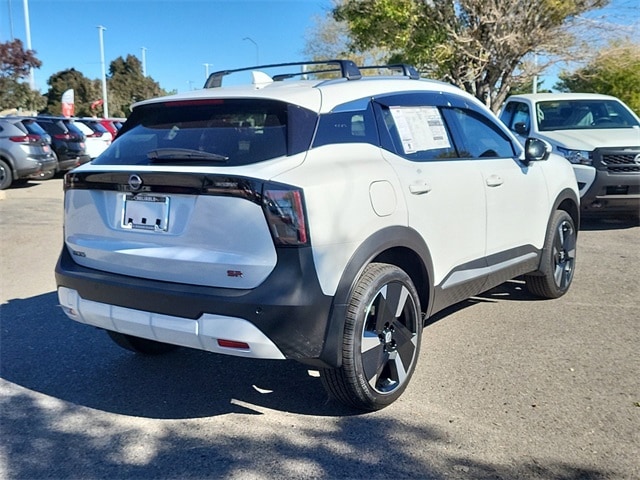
column 314, row 219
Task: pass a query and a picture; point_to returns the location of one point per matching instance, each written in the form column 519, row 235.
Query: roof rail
column 403, row 68
column 347, row 69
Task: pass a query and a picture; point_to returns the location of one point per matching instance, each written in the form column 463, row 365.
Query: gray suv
column 22, row 153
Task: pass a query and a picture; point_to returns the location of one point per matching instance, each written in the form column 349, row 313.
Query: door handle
column 494, row 180
column 420, row 188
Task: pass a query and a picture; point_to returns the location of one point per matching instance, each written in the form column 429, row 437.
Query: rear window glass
column 350, row 126
column 33, row 127
column 217, row 132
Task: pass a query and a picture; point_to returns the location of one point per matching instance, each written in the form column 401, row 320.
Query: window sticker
column 420, row 128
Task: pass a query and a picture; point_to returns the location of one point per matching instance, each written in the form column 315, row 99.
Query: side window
column 476, row 136
column 416, row 133
column 516, row 117
column 346, row 127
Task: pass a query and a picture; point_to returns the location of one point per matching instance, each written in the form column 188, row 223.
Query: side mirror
column 536, row 150
column 521, row 128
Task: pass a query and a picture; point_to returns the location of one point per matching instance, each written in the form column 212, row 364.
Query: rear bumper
column 213, row 333
column 285, row 317
column 68, row 163
column 34, row 164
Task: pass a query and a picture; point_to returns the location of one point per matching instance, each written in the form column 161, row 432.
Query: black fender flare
column 398, row 245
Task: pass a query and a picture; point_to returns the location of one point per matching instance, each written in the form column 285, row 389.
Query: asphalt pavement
column 507, row 386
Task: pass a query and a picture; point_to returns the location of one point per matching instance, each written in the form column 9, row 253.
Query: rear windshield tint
column 33, row 127
column 218, row 132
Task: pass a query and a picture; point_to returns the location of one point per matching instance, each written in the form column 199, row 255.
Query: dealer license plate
column 145, row 212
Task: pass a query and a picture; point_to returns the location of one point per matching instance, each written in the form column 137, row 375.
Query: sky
column 180, row 36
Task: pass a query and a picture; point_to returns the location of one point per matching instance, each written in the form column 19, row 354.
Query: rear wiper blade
column 160, row 154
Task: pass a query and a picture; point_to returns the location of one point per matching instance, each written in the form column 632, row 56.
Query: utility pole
column 144, row 61
column 105, row 106
column 206, row 70
column 27, row 26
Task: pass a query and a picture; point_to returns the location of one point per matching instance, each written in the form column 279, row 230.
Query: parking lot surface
column 507, row 387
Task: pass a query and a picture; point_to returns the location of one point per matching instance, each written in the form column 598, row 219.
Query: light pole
column 257, row 49
column 144, row 61
column 105, row 111
column 206, row 70
column 32, row 78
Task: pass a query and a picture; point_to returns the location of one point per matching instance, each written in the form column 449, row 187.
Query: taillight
column 285, row 212
column 26, row 138
column 62, row 136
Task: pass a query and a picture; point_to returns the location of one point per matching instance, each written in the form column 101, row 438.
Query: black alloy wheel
column 381, row 341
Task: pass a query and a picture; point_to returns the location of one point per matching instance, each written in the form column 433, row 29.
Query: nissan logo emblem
column 636, row 159
column 135, row 182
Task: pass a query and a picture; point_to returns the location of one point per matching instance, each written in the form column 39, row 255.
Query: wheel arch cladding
column 399, row 246
column 570, row 203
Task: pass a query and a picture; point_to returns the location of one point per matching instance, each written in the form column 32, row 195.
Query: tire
column 141, row 345
column 6, row 177
column 558, row 258
column 381, row 342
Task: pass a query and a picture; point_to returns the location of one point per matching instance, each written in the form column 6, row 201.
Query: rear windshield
column 33, row 127
column 583, row 114
column 211, row 132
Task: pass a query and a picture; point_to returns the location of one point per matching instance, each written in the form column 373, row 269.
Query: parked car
column 22, row 153
column 319, row 220
column 36, row 131
column 67, row 141
column 110, row 126
column 97, row 138
column 598, row 134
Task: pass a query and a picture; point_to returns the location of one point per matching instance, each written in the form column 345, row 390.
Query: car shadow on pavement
column 64, row 433
column 597, row 223
column 42, row 350
column 511, row 290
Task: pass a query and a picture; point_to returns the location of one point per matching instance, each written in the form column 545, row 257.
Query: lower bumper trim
column 203, row 333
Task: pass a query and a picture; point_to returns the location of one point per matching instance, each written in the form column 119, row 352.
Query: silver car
column 22, row 153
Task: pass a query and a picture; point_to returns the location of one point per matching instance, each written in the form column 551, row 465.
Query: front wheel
column 558, row 258
column 141, row 345
column 381, row 340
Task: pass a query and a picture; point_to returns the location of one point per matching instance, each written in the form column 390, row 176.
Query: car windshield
column 220, row 132
column 583, row 114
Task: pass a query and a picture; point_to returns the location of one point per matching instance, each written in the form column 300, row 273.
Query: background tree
column 480, row 45
column 328, row 38
column 126, row 85
column 15, row 64
column 85, row 91
column 615, row 71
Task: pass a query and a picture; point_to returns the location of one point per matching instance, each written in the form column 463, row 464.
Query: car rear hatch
column 183, row 194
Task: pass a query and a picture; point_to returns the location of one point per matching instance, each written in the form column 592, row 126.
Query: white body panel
column 445, row 193
column 207, row 237
column 340, row 212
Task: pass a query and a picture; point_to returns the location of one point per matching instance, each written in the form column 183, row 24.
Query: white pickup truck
column 598, row 134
